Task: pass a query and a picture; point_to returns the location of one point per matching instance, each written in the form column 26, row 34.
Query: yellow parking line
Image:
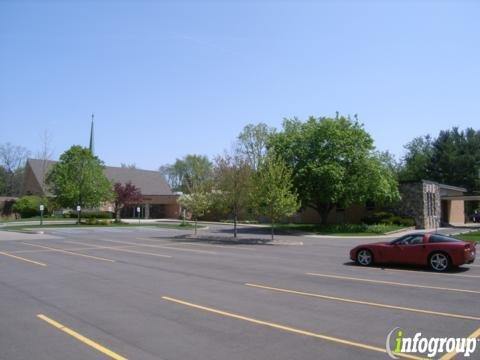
column 159, row 246
column 393, row 283
column 122, row 249
column 81, row 338
column 449, row 356
column 352, row 301
column 416, row 272
column 70, row 253
column 285, row 328
column 22, row 258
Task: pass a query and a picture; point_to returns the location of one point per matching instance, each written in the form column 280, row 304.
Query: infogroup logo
column 398, row 343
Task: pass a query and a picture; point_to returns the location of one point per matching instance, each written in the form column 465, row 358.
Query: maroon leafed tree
column 127, row 194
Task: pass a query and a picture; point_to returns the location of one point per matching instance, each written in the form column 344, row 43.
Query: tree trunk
column 195, row 226
column 324, row 211
column 117, row 215
column 235, row 226
column 272, row 228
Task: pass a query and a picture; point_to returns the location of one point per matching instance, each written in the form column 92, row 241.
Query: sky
column 166, row 79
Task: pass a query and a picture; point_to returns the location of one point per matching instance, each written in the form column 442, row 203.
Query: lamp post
column 41, row 214
column 78, row 214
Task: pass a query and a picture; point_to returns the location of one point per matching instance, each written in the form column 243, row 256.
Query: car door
column 409, row 250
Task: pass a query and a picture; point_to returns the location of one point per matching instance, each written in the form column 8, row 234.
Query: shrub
column 95, row 214
column 387, row 218
column 381, row 217
column 29, row 206
column 94, row 221
column 378, row 228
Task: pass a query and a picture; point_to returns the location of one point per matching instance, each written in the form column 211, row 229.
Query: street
column 150, row 293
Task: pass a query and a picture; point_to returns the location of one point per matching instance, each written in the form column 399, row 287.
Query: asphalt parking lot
column 150, row 293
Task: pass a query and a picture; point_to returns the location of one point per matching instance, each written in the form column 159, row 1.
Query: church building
column 158, row 200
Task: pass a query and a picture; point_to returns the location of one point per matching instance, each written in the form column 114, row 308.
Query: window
column 442, row 239
column 415, row 239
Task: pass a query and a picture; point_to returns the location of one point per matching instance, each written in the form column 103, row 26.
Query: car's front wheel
column 364, row 257
column 439, row 261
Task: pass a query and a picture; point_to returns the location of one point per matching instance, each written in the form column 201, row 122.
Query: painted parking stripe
column 393, row 283
column 81, row 338
column 22, row 259
column 285, row 328
column 159, row 246
column 121, row 249
column 360, row 302
column 68, row 249
column 474, row 335
column 415, row 272
column 233, row 247
column 70, row 252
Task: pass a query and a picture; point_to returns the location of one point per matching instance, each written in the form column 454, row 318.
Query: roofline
column 442, row 186
column 107, row 166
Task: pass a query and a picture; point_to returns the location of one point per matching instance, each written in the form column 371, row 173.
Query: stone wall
column 420, row 200
column 431, row 205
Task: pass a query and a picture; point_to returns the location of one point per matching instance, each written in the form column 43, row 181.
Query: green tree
column 456, row 158
column 233, row 184
column 452, row 158
column 188, row 172
column 334, row 163
column 78, row 179
column 252, row 143
column 417, row 159
column 273, row 195
column 197, row 204
column 29, row 206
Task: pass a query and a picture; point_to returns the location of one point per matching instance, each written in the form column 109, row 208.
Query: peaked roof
column 149, row 182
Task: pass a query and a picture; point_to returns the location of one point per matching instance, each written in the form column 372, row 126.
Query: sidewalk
column 37, row 222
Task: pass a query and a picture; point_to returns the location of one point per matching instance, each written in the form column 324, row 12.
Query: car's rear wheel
column 439, row 261
column 364, row 257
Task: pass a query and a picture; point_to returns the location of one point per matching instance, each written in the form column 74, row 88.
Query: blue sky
column 169, row 78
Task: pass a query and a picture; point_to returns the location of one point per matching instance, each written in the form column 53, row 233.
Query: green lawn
column 342, row 229
column 473, row 236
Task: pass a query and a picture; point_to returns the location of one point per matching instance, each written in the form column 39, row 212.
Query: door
column 408, row 250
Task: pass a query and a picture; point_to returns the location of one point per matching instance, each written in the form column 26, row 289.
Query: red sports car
column 440, row 252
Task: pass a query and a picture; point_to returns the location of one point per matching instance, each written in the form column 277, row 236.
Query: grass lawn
column 473, row 236
column 341, row 229
column 187, row 226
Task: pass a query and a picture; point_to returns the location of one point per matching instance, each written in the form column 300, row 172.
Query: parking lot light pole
column 78, row 214
column 41, row 214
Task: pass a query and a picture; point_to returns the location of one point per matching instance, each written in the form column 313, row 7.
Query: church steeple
column 91, row 146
